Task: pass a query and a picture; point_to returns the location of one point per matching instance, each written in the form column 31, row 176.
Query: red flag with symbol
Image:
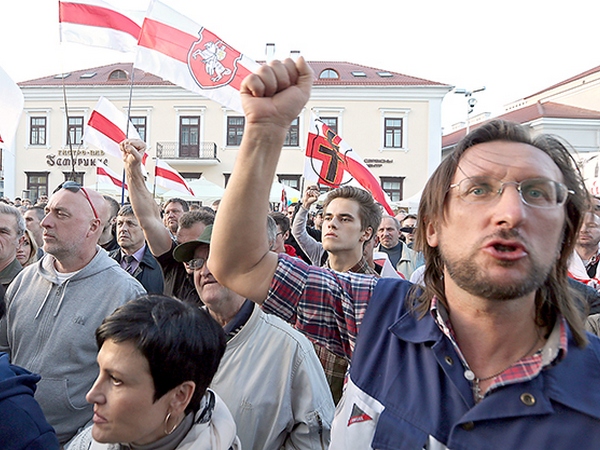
column 169, row 178
column 332, row 162
column 177, row 49
column 99, row 24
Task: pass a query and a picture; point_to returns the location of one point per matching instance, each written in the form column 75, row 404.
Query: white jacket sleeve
column 311, row 247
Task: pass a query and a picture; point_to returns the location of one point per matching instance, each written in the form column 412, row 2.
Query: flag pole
column 127, row 128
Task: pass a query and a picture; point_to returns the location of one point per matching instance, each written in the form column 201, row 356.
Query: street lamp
column 471, row 101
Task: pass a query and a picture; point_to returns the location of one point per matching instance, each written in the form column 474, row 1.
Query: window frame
column 236, row 128
column 36, row 127
column 395, row 195
column 401, row 114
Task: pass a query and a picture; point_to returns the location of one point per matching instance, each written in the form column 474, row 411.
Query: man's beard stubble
column 469, row 276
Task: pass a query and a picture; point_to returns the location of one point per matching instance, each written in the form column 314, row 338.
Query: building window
column 118, row 75
column 392, row 133
column 189, row 136
column 75, row 130
column 393, row 187
column 37, row 185
column 235, row 130
column 292, row 136
column 331, row 122
column 328, row 74
column 77, row 177
column 37, row 131
column 189, row 176
column 292, row 181
column 140, row 125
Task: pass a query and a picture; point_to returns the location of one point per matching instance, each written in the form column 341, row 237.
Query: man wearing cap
column 55, row 306
column 401, row 256
column 160, row 239
column 270, row 377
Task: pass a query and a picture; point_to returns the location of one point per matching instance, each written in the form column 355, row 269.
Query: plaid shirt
column 523, row 370
column 326, row 306
column 334, row 366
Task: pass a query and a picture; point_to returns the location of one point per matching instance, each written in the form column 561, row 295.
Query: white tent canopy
column 293, row 195
column 204, row 191
column 412, row 203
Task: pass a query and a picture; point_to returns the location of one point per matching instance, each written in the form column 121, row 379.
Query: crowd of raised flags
column 175, row 48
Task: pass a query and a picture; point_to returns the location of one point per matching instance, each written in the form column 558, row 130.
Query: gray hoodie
column 49, row 329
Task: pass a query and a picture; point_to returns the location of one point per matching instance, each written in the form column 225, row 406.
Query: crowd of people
column 336, row 326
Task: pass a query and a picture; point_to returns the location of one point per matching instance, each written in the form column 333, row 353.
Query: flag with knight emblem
column 332, row 162
column 179, row 50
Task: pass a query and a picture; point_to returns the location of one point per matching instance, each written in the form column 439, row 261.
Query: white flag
column 11, row 107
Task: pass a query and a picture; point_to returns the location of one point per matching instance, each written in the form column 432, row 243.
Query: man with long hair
column 493, row 353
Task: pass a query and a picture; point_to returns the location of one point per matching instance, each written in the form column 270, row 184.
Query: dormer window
column 329, row 74
column 118, row 75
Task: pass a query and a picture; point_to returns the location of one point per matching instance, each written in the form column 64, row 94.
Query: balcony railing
column 172, row 150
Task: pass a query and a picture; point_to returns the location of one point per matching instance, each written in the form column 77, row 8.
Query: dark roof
column 527, row 114
column 348, row 75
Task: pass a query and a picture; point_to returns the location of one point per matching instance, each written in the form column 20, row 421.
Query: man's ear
column 432, row 235
column 286, row 235
column 366, row 234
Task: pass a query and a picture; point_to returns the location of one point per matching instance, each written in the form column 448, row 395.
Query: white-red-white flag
column 99, row 24
column 105, row 175
column 332, row 162
column 11, row 107
column 107, row 127
column 179, row 50
column 166, row 176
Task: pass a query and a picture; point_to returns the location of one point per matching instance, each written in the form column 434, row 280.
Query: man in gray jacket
column 55, row 306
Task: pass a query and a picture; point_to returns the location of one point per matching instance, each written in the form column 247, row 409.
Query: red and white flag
column 332, row 162
column 107, row 127
column 11, row 107
column 99, row 24
column 105, row 175
column 166, row 176
column 179, row 50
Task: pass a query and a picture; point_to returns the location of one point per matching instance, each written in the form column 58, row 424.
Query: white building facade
column 392, row 121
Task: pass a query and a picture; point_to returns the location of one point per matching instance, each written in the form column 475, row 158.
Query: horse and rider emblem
column 212, row 62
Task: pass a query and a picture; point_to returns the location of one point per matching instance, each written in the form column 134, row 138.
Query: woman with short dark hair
column 157, row 357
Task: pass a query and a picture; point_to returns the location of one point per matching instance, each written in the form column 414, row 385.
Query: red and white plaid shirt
column 526, row 368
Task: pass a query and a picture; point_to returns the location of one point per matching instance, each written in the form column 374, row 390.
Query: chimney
column 270, row 52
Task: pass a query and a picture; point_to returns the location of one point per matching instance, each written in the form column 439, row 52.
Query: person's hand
column 132, row 151
column 277, row 92
column 311, row 195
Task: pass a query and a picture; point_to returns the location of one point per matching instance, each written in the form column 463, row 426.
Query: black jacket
column 149, row 272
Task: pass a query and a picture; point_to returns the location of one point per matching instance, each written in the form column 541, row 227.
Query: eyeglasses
column 536, row 192
column 196, row 263
column 76, row 187
column 409, row 230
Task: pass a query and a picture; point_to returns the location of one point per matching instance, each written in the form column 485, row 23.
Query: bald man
column 55, row 306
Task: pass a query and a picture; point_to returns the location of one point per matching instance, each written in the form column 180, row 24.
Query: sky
column 514, row 48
